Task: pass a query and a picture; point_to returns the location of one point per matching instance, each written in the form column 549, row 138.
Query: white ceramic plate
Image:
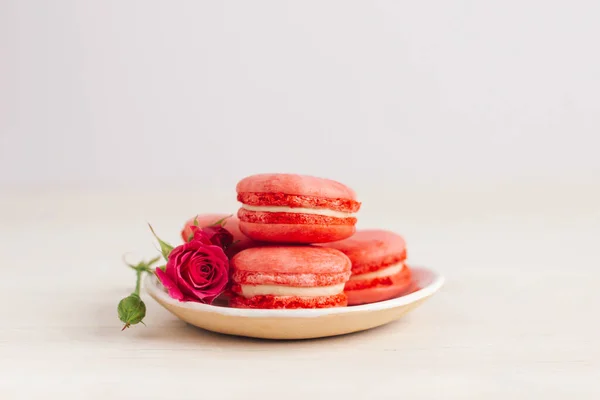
column 297, row 323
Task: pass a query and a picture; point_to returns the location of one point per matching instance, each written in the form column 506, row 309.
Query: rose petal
column 171, row 287
column 196, row 266
column 171, row 264
column 182, row 258
column 197, row 282
column 186, row 286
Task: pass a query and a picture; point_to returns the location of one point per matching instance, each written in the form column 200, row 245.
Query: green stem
column 138, row 283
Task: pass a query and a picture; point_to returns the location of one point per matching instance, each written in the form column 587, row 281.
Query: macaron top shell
column 291, row 260
column 371, row 248
column 301, row 185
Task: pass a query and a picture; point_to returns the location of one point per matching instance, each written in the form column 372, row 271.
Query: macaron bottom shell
column 288, row 302
column 296, row 233
column 378, row 289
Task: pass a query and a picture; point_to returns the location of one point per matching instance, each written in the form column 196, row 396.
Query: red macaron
column 231, row 223
column 289, row 277
column 379, row 271
column 289, row 208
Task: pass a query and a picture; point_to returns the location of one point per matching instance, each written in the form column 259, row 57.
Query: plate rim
column 153, row 288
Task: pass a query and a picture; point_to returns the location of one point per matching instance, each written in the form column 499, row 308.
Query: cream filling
column 299, row 210
column 391, row 270
column 280, row 290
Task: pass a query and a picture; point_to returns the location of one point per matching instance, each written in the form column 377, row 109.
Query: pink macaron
column 379, row 271
column 289, row 277
column 290, row 208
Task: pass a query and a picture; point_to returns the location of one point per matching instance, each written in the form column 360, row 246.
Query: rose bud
column 132, row 310
column 219, row 236
column 200, row 235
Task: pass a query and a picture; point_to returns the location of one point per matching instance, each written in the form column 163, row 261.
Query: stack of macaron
column 297, row 247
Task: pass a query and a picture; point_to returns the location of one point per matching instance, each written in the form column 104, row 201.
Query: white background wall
column 121, row 93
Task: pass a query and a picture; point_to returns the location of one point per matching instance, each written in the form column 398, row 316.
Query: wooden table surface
column 518, row 316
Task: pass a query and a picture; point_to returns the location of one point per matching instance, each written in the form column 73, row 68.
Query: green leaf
column 196, row 221
column 132, row 266
column 152, row 261
column 165, row 248
column 190, row 237
column 142, row 265
column 132, row 310
column 222, row 220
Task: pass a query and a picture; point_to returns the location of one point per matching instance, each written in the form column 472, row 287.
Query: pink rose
column 196, row 271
